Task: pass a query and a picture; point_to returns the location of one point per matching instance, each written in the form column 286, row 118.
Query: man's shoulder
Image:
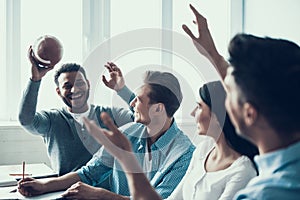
column 276, row 186
column 267, row 192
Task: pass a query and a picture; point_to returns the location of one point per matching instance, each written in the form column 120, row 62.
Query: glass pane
column 134, row 14
column 273, row 18
column 2, row 59
column 43, row 17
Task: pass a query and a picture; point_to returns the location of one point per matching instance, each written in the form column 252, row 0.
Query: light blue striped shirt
column 279, row 176
column 171, row 155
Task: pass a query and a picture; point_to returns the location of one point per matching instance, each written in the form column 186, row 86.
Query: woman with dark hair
column 222, row 163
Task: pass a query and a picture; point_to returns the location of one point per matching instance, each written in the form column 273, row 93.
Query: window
column 137, row 35
column 281, row 22
column 25, row 21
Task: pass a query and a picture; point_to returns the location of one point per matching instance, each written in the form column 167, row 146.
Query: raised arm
column 119, row 146
column 205, row 44
column 117, row 82
column 27, row 113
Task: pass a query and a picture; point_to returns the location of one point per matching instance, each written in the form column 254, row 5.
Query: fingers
column 30, row 56
column 90, row 125
column 194, row 10
column 26, row 187
column 70, row 193
column 108, row 122
column 200, row 20
column 188, row 31
column 112, row 67
column 105, row 81
column 95, row 131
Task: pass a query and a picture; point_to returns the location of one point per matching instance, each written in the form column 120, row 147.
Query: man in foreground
column 262, row 80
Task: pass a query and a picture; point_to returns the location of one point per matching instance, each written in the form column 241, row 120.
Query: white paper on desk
column 6, row 180
column 5, row 194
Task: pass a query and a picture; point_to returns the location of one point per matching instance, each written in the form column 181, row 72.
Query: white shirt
column 79, row 116
column 222, row 184
column 147, row 166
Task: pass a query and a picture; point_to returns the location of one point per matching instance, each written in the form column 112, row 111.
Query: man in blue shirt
column 160, row 146
column 262, row 81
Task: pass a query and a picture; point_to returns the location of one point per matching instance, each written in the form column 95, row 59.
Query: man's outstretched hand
column 205, row 44
column 113, row 139
column 116, row 81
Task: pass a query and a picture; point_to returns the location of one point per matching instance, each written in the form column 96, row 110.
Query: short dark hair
column 267, row 71
column 68, row 67
column 161, row 94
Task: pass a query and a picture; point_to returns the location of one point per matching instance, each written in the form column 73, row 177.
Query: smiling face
column 141, row 105
column 74, row 91
column 202, row 117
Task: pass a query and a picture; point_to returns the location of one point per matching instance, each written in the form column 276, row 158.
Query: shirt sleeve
column 122, row 116
column 174, row 175
column 177, row 194
column 126, row 94
column 97, row 169
column 32, row 121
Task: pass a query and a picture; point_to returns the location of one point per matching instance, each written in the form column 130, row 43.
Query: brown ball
column 47, row 50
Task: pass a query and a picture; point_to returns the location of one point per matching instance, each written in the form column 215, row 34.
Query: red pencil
column 23, row 173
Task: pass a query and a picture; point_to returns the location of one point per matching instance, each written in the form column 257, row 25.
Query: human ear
column 249, row 114
column 159, row 107
column 58, row 91
column 88, row 83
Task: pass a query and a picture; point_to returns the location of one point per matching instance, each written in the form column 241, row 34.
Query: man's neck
column 80, row 110
column 276, row 142
column 156, row 130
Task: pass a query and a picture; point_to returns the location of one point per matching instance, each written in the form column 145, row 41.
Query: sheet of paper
column 6, row 180
column 5, row 193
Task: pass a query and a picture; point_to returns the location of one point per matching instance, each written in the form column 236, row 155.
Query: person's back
column 279, row 176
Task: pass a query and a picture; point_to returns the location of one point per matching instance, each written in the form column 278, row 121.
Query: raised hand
column 205, row 44
column 116, row 81
column 114, row 141
column 30, row 187
column 119, row 146
column 37, row 73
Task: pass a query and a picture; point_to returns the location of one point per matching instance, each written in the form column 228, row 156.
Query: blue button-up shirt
column 171, row 155
column 279, row 176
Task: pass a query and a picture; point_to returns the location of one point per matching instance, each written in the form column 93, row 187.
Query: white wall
column 16, row 146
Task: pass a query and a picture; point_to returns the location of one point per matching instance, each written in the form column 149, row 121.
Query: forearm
column 29, row 102
column 220, row 64
column 60, row 183
column 126, row 94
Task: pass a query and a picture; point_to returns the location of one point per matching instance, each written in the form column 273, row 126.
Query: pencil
column 23, row 174
column 13, row 174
